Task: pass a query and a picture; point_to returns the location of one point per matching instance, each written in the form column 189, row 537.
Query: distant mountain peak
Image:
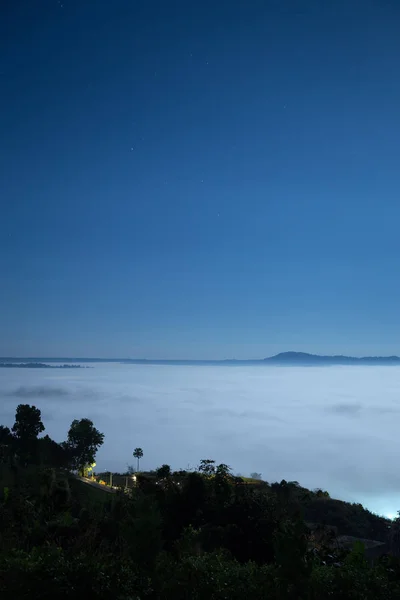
column 304, row 358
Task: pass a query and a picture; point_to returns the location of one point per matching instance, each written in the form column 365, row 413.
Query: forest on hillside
column 204, row 534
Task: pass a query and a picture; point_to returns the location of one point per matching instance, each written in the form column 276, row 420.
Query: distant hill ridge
column 37, row 365
column 303, row 358
column 284, row 358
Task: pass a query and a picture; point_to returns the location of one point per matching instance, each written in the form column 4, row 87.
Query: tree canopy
column 28, row 422
column 138, row 454
column 83, row 442
column 163, row 472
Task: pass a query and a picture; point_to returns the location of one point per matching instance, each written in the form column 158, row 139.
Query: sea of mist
column 331, row 427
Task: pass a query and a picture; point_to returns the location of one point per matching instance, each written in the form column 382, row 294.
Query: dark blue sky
column 199, row 179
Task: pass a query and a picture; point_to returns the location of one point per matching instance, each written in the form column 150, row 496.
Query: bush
column 45, row 573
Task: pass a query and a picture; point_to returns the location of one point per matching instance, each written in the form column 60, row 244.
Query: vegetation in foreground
column 192, row 535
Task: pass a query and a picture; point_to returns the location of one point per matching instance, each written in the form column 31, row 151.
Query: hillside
column 203, row 534
column 209, row 535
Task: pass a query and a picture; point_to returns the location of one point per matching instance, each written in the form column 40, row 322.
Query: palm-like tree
column 138, row 454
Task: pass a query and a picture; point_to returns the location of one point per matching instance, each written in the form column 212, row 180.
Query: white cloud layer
column 330, row 427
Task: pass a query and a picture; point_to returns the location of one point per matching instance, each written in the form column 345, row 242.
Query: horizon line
column 124, row 359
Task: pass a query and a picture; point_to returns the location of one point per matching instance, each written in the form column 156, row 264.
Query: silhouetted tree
column 138, row 454
column 256, row 476
column 222, row 483
column 207, row 467
column 28, row 423
column 321, row 493
column 53, row 454
column 223, row 470
column 163, row 472
column 6, row 441
column 83, row 442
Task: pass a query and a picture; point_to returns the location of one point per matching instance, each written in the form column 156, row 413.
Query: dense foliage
column 83, row 442
column 192, row 535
